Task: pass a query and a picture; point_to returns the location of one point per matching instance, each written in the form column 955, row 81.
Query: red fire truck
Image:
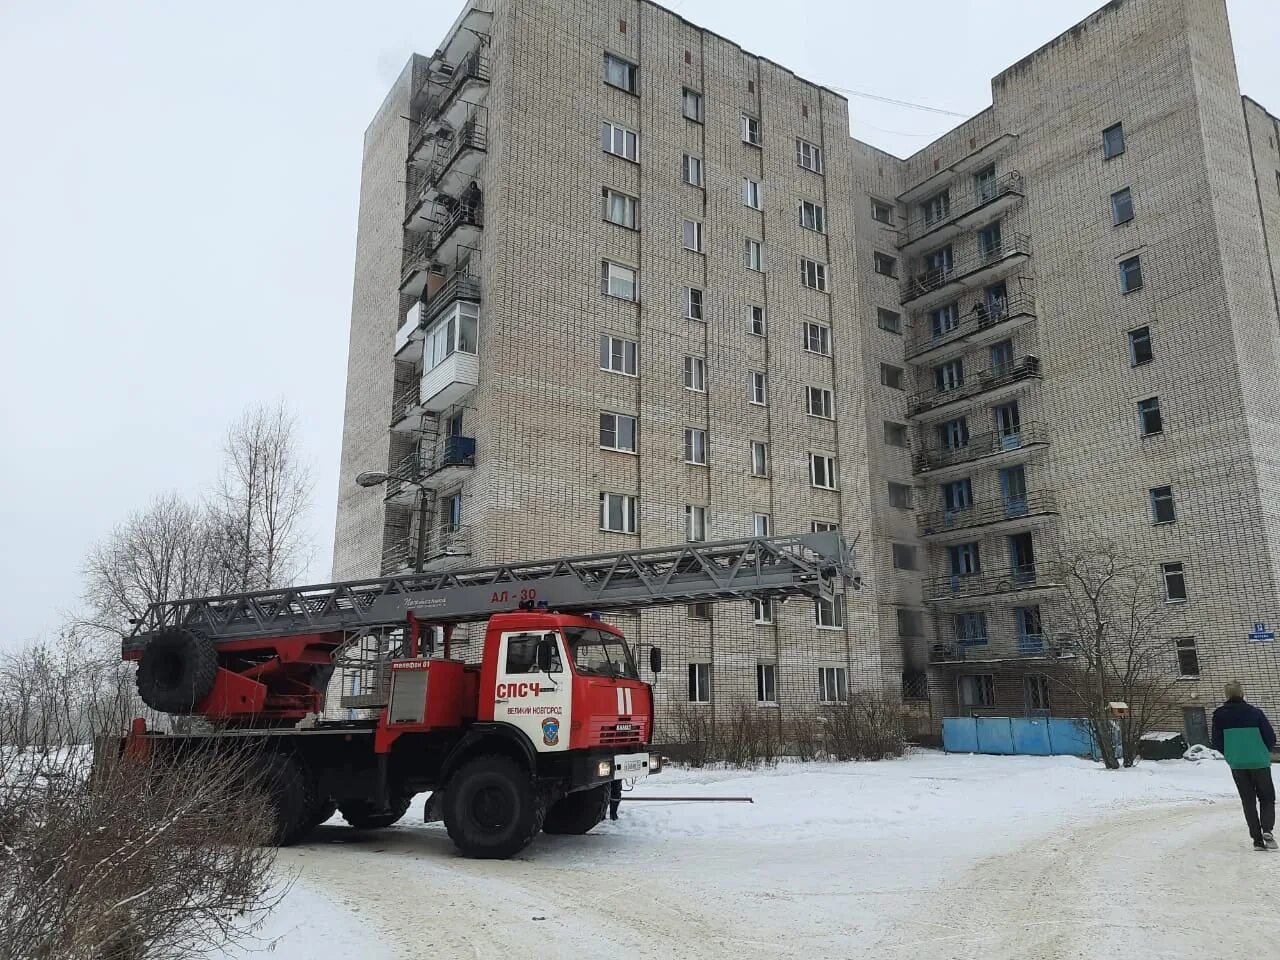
column 538, row 735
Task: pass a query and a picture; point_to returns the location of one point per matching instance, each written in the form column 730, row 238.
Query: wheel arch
column 482, row 738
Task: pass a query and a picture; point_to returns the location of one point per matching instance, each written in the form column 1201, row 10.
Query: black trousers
column 1258, row 795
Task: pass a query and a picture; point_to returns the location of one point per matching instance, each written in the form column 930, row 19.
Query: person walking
column 1242, row 734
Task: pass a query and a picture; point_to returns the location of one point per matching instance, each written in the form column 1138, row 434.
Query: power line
column 899, row 103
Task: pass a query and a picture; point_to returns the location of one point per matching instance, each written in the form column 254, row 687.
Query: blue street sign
column 1261, row 634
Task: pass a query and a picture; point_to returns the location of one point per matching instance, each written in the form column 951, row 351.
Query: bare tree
column 122, row 856
column 1108, row 619
column 262, row 498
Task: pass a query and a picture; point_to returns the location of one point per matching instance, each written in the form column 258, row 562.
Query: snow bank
column 1200, row 752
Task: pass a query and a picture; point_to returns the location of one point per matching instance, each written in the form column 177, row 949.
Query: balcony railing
column 989, row 192
column 984, row 316
column 936, row 278
column 473, row 135
column 1025, row 646
column 407, row 401
column 461, row 214
column 981, row 445
column 983, row 583
column 985, row 514
column 473, row 66
column 1001, row 375
column 460, row 284
column 417, row 256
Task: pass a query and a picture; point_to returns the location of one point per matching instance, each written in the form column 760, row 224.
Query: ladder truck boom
column 538, row 735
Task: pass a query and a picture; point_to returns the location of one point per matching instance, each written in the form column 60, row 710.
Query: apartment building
column 653, row 291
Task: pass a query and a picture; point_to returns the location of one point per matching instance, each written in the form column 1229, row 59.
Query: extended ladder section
column 815, row 565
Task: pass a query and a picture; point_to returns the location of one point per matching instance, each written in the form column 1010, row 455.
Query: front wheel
column 579, row 812
column 491, row 809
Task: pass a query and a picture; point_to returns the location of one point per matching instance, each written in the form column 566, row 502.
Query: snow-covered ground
column 932, row 856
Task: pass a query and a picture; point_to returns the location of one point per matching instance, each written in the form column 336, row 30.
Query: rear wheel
column 491, row 809
column 291, row 798
column 363, row 815
column 324, row 809
column 579, row 812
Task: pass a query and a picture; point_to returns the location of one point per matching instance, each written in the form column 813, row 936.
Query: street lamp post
column 376, row 478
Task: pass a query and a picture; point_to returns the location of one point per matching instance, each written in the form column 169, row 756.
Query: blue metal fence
column 1028, row 736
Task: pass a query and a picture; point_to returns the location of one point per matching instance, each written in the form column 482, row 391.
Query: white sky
column 178, row 189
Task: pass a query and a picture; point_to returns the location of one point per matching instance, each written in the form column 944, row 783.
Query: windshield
column 600, row 654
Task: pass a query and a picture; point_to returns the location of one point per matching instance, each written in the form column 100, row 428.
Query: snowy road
column 929, row 857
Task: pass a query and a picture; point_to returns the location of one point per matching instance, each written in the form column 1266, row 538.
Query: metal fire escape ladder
column 815, row 565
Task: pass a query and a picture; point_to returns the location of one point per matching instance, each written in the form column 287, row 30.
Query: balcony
column 402, row 483
column 966, row 586
column 453, row 369
column 979, row 268
column 456, row 226
column 972, row 651
column 453, row 461
column 416, row 269
column 460, row 285
column 992, row 449
column 444, row 103
column 444, row 544
column 989, row 384
column 985, row 324
column 407, row 408
column 987, row 203
column 1027, row 510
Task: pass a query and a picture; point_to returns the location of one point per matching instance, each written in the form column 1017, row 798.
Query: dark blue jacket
column 1242, row 733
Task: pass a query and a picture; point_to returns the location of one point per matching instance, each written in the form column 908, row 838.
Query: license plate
column 624, row 727
column 632, row 765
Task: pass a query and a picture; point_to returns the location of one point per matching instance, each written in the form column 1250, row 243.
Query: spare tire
column 177, row 670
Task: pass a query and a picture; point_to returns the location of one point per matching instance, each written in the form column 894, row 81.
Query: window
column 759, row 458
column 822, row 471
column 964, row 559
column 895, row 434
column 829, row 613
column 455, row 333
column 617, row 512
column 944, row 319
column 1140, row 346
column 899, row 495
column 617, row 280
column 695, row 524
column 1121, row 206
column 940, row 261
column 886, row 265
column 451, row 513
column 750, row 193
column 762, row 611
column 766, row 678
column 824, row 526
column 1149, row 416
column 1037, row 688
column 915, row 685
column 1113, row 141
column 813, row 274
column 808, row 155
column 691, row 104
column 936, row 207
column 699, row 611
column 990, row 241
column 755, row 256
column 620, row 141
column 620, row 208
column 522, row 653
column 699, row 682
column 691, row 235
column 1131, row 275
column 1175, row 582
column 881, row 212
column 1030, row 628
column 1162, row 505
column 984, row 184
column 949, row 375
column 957, row 496
column 812, row 216
column 978, row 690
column 618, row 432
column 818, row 402
column 695, row 446
column 621, row 74
column 695, row 374
column 817, row 338
column 893, row 377
column 831, row 685
column 617, row 355
column 757, row 388
column 693, row 303
column 755, row 320
column 970, row 627
column 904, row 556
column 889, row 320
column 692, row 170
column 750, row 130
column 1188, row 658
column 954, row 434
column 910, row 623
column 762, row 525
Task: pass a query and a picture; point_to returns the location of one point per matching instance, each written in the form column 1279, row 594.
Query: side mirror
column 548, row 657
column 655, row 659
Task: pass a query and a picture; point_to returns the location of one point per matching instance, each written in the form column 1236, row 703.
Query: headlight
column 655, row 763
column 604, row 768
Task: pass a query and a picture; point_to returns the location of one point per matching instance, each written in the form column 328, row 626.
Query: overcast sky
column 178, row 191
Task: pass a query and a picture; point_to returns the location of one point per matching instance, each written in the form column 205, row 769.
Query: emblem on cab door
column 551, row 731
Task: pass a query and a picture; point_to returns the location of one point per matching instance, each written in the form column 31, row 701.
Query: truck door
column 533, row 691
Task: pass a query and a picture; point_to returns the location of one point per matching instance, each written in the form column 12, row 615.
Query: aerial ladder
column 536, row 735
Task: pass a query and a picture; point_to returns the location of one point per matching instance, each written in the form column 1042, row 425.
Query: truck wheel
column 578, row 812
column 323, row 811
column 363, row 815
column 290, row 793
column 177, row 670
column 491, row 809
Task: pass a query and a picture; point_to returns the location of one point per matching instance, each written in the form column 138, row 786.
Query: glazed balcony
column 452, row 369
column 989, row 385
column 983, row 205
column 980, row 268
column 968, row 586
column 941, row 526
column 985, row 324
column 991, row 449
